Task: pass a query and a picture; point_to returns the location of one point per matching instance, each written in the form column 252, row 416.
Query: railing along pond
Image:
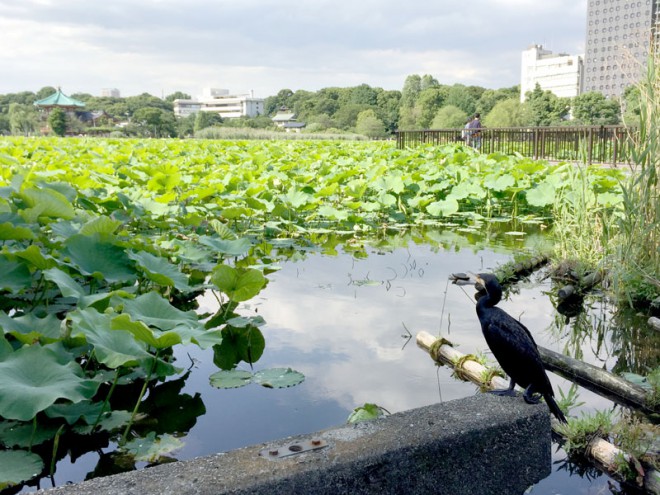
column 589, row 144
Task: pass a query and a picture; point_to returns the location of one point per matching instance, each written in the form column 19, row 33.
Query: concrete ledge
column 483, row 444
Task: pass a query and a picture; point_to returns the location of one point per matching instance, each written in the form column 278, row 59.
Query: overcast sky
column 162, row 46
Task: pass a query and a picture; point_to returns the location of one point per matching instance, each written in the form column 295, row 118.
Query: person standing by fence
column 475, row 131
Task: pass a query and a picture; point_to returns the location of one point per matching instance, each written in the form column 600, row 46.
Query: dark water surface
column 344, row 323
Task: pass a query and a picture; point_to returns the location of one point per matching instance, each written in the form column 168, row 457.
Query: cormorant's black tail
column 554, row 408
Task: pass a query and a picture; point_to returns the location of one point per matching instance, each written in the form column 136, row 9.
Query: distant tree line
column 423, row 103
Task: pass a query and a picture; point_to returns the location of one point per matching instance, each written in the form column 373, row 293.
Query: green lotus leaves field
column 106, row 244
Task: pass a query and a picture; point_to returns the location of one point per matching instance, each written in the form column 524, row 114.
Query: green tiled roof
column 59, row 99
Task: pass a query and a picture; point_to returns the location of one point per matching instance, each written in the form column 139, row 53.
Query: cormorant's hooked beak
column 468, row 279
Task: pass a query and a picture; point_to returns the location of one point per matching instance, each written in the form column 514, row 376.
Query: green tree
column 490, row 97
column 412, row 87
column 387, row 104
column 464, row 97
column 545, row 108
column 155, row 122
column 177, row 95
column 145, row 100
column 23, row 119
column 368, row 124
column 428, row 81
column 45, row 92
column 185, row 126
column 593, row 108
column 363, row 95
column 206, row 119
column 427, row 105
column 273, row 103
column 508, row 113
column 5, row 128
column 57, row 121
column 321, row 122
column 346, row 116
column 449, row 117
column 409, row 118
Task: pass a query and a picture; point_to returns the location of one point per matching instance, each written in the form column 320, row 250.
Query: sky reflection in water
column 342, row 322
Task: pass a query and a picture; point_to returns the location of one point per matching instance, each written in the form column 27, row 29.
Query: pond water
column 349, row 325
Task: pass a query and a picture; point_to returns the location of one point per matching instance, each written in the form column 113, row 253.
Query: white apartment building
column 219, row 101
column 230, row 106
column 559, row 73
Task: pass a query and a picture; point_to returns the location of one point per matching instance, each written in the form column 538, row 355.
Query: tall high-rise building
column 620, row 34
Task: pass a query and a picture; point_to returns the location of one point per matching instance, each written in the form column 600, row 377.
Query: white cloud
column 157, row 46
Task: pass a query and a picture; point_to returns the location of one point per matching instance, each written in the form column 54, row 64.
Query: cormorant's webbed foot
column 531, row 397
column 509, row 392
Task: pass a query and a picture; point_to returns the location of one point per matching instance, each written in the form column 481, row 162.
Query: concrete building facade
column 619, row 37
column 219, row 101
column 559, row 73
column 183, row 108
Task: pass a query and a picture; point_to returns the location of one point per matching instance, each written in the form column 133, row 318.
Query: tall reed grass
column 637, row 268
column 624, row 240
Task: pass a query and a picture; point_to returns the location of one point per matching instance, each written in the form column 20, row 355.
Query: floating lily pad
column 151, row 448
column 230, row 378
column 278, row 378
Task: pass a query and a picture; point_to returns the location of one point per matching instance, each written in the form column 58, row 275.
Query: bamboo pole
column 605, row 454
column 597, row 380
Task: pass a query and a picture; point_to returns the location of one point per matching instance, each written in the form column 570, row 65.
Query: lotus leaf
column 160, row 270
column 109, row 421
column 17, row 466
column 231, row 247
column 71, row 413
column 100, row 225
column 29, row 328
column 155, row 311
column 114, row 348
column 99, row 257
column 151, row 448
column 239, row 284
column 367, row 412
column 26, row 389
column 48, row 202
column 230, row 378
column 542, row 195
column 24, row 435
column 10, row 232
column 143, row 333
column 67, row 285
column 14, row 276
column 443, row 208
column 278, row 378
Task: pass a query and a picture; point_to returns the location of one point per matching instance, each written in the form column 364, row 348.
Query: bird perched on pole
column 514, row 348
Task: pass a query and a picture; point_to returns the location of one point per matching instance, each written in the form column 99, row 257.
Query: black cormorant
column 514, row 348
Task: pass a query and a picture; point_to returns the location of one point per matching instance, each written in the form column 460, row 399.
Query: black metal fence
column 588, row 144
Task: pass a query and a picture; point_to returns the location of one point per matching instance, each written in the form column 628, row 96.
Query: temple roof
column 59, row 99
